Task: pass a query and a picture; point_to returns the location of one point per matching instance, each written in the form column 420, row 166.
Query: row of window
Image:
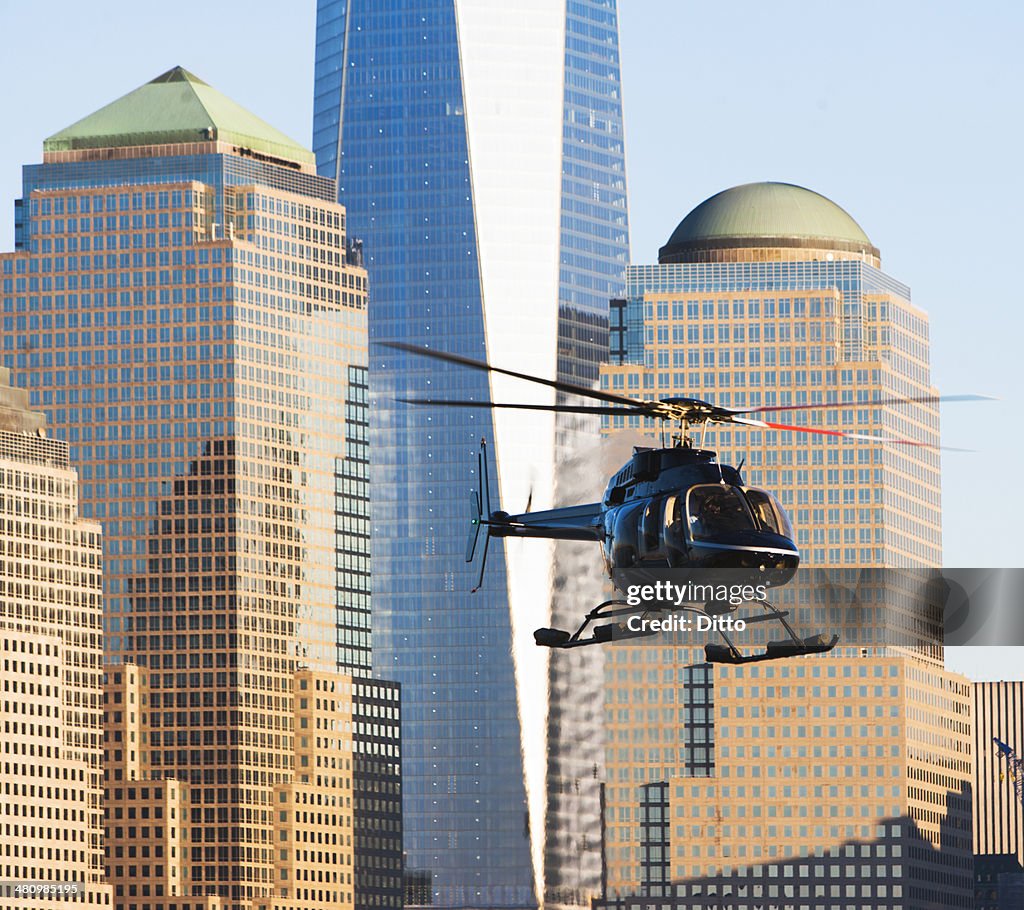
column 97, row 202
column 769, row 307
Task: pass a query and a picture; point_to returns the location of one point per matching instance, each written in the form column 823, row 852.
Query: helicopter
column 670, row 511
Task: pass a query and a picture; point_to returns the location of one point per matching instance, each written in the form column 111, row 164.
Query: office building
column 858, row 764
column 183, row 306
column 998, row 813
column 336, row 820
column 479, row 151
column 51, row 827
column 334, row 756
column 147, row 817
column 802, row 782
column 770, row 295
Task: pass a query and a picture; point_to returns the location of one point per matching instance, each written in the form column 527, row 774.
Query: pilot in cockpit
column 715, row 510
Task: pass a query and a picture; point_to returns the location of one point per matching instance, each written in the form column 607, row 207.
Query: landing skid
column 728, row 653
column 558, row 638
column 774, row 650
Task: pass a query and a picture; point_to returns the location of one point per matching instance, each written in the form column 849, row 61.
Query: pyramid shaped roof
column 176, row 107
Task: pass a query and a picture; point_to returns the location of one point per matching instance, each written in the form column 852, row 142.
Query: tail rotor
column 479, row 515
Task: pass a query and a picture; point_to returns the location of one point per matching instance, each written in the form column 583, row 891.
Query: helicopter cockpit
column 714, row 510
column 670, row 530
column 768, row 512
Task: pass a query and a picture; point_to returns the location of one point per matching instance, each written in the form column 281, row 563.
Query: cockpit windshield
column 716, row 509
column 769, row 513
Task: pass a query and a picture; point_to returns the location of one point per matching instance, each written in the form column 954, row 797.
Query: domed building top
column 766, row 215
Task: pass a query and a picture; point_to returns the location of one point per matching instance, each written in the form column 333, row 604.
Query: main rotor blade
column 864, row 437
column 878, row 402
column 561, row 408
column 569, row 387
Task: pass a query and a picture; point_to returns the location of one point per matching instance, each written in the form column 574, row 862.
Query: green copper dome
column 176, row 107
column 766, row 215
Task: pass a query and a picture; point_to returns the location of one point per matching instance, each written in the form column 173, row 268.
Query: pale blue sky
column 906, row 114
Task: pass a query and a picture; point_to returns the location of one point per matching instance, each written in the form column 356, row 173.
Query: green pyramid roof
column 176, row 107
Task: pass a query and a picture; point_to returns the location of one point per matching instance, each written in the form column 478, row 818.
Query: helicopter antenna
column 739, row 467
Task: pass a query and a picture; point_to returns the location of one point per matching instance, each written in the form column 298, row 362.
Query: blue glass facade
column 593, row 253
column 390, row 124
column 594, row 222
column 464, row 799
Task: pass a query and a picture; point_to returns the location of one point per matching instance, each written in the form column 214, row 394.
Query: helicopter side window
column 626, row 539
column 768, row 512
column 675, row 528
column 715, row 509
column 674, row 521
column 651, row 520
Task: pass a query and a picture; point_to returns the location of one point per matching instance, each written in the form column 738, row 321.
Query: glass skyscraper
column 479, row 151
column 183, row 306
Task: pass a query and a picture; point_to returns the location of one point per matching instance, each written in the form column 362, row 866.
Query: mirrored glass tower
column 479, row 150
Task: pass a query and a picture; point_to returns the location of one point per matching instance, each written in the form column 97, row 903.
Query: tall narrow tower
column 998, row 813
column 479, row 150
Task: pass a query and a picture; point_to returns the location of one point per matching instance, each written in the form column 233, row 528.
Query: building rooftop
column 176, row 107
column 15, row 415
column 766, row 215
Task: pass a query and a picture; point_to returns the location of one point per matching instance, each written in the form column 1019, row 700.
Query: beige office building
column 185, row 305
column 51, row 847
column 313, row 821
column 149, row 822
column 147, row 818
column 771, row 296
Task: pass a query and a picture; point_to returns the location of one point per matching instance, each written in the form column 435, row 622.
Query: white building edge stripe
column 513, row 62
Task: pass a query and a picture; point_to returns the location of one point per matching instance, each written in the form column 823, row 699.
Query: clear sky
column 905, row 114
